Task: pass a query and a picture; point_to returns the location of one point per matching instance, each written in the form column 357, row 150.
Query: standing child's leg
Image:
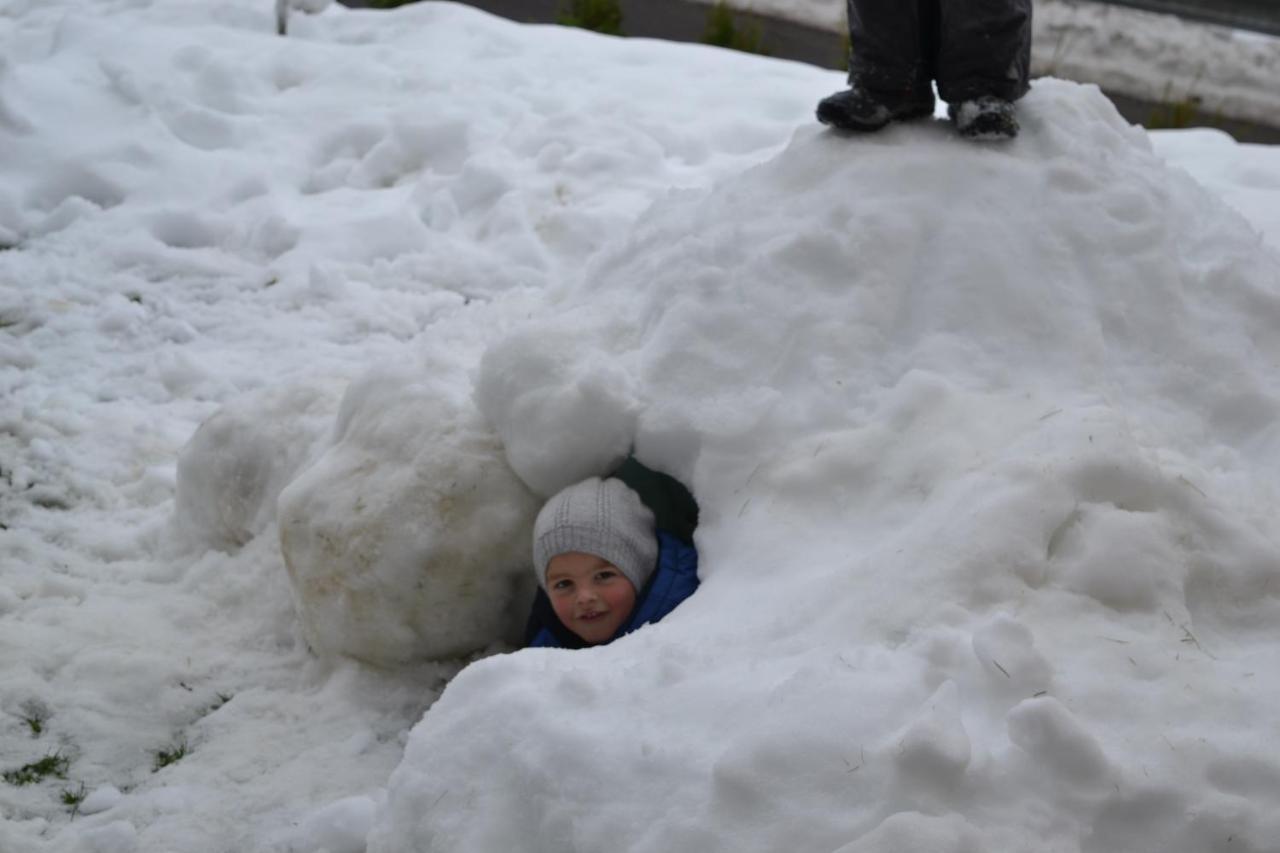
column 889, row 71
column 984, row 60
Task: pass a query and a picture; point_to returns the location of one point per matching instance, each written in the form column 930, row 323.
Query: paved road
column 682, row 20
column 678, row 20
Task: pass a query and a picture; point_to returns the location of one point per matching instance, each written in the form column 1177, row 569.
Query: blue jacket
column 674, row 580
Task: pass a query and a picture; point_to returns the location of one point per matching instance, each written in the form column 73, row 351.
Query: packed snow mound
column 845, row 265
column 985, row 440
column 408, row 538
column 232, row 470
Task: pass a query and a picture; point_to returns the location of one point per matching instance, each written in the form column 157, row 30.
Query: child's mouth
column 591, row 617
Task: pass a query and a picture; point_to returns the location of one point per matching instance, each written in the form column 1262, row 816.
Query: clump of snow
column 968, row 425
column 1059, row 745
column 933, row 747
column 407, row 538
column 339, row 827
column 232, row 470
column 100, row 800
column 1006, row 649
column 564, row 409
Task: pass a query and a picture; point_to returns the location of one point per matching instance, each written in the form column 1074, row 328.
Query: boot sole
column 845, row 122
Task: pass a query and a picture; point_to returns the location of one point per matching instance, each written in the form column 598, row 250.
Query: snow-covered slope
column 984, row 440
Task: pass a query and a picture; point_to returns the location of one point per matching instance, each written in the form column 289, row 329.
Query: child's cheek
column 563, row 607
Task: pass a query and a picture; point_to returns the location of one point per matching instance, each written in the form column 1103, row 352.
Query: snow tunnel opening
column 555, row 614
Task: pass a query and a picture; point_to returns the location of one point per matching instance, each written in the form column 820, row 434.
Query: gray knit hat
column 600, row 517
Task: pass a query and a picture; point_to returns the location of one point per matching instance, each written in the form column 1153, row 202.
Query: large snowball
column 235, row 465
column 409, row 537
column 565, row 408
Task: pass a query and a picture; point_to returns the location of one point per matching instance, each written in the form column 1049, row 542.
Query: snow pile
column 408, row 539
column 986, row 443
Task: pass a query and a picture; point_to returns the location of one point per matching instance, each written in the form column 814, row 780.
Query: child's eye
column 606, row 574
column 564, row 583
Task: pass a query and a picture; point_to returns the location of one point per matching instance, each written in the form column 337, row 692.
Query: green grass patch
column 164, row 757
column 37, row 771
column 723, row 31
column 601, row 16
column 35, row 722
column 1174, row 115
column 72, row 798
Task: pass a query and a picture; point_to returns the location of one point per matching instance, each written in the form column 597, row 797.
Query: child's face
column 591, row 597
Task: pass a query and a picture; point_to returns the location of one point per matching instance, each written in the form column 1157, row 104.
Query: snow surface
column 1154, row 57
column 984, row 438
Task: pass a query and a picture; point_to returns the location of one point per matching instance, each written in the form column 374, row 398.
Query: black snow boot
column 985, row 118
column 856, row 109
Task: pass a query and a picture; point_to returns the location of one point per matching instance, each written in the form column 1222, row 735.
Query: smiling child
column 603, row 567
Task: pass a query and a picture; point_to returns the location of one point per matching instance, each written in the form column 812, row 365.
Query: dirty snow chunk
column 409, row 537
column 1044, row 729
column 565, row 410
column 235, row 465
column 101, row 799
column 339, row 827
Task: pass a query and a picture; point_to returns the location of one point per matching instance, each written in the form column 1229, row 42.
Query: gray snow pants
column 971, row 47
